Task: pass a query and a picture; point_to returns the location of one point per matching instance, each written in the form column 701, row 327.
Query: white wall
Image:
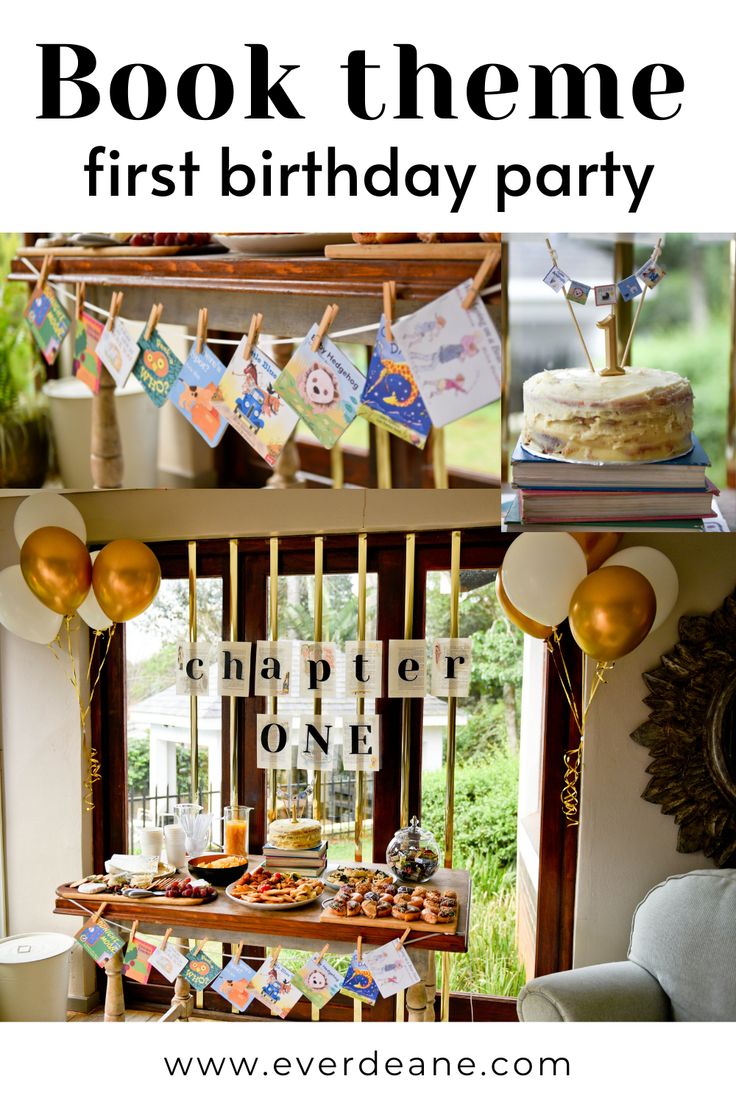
column 626, row 844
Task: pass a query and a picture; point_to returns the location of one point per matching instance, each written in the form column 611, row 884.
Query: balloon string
column 573, row 758
column 564, row 677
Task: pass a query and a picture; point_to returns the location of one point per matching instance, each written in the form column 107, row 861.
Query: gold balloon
column 597, row 547
column 57, row 568
column 611, row 612
column 125, row 578
column 531, row 628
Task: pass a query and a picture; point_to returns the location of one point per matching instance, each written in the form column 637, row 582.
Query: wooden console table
column 224, row 921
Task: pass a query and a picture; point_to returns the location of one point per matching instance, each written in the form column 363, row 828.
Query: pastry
column 429, row 917
column 383, row 908
column 338, row 907
column 369, row 909
column 577, row 414
column 295, row 835
column 353, row 907
column 382, row 239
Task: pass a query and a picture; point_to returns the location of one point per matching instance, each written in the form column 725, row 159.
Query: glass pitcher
column 236, row 820
column 197, row 827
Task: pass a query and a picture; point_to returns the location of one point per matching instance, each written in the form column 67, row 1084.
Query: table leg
column 114, row 1001
column 416, row 995
column 431, row 986
column 182, row 1001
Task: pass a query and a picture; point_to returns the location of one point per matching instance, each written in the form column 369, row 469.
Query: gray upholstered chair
column 681, row 962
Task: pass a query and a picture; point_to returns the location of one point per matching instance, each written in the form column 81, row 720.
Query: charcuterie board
column 119, row 899
column 415, row 251
column 389, row 922
column 61, row 251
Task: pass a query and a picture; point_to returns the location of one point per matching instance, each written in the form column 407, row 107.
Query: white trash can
column 34, row 976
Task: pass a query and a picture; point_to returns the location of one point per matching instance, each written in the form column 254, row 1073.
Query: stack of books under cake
column 669, row 494
column 309, row 860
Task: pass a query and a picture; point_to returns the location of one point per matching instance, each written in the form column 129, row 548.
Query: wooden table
column 225, row 921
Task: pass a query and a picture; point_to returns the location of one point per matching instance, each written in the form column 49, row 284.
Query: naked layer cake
column 296, row 835
column 577, row 414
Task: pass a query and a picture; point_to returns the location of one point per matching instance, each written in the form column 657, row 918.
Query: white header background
column 691, row 188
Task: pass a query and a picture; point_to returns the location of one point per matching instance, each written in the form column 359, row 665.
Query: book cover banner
column 273, row 986
column 137, row 961
column 100, row 941
column 157, row 367
column 86, row 364
column 118, row 351
column 48, row 321
column 391, row 397
column 200, row 970
column 253, row 407
column 168, row 961
column 318, row 981
column 196, row 394
column 234, row 984
column 359, row 982
column 454, row 355
column 323, row 387
column 392, row 968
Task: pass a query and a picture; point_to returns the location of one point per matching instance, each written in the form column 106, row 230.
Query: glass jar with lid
column 413, row 854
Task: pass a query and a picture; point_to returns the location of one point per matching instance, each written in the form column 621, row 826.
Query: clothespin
column 80, row 300
column 45, row 269
column 322, row 954
column 275, row 955
column 389, row 295
column 238, row 953
column 201, row 330
column 328, row 318
column 115, row 304
column 657, row 250
column 167, row 933
column 153, row 320
column 403, row 938
column 133, row 930
column 199, row 946
column 99, row 912
column 254, row 331
column 359, row 948
column 479, row 279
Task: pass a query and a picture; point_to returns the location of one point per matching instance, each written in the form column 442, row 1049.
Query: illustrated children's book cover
column 454, row 354
column 323, row 387
column 274, row 987
column 391, row 396
column 359, row 981
column 253, row 407
column 48, row 321
column 168, row 961
column 234, row 984
column 200, row 970
column 318, row 981
column 86, row 365
column 157, row 367
column 118, row 351
column 196, row 392
column 392, row 968
column 100, row 941
column 137, row 961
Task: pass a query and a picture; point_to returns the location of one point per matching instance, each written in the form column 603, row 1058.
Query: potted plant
column 24, row 427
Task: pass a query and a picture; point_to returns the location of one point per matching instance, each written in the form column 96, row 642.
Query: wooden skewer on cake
column 553, row 255
column 655, row 257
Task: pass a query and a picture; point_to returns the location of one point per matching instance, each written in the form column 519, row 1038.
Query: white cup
column 175, row 845
column 152, row 842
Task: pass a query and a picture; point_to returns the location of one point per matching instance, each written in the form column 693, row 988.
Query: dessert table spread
column 225, row 921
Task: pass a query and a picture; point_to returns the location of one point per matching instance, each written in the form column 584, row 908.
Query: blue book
column 685, row 473
column 512, row 523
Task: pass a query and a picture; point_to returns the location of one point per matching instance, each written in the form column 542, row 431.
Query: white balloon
column 22, row 613
column 47, row 508
column 90, row 610
column 660, row 572
column 540, row 574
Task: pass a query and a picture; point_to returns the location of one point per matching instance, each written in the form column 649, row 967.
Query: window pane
column 158, row 719
column 339, row 623
column 486, row 777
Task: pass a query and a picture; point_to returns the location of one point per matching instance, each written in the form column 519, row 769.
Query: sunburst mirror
column 691, row 734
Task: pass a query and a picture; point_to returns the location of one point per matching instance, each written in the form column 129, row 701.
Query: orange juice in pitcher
column 236, row 829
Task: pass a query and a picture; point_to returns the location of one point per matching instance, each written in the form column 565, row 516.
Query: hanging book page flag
column 318, row 670
column 317, row 742
column 556, row 278
column 252, row 406
column 86, row 363
column 361, row 742
column 454, row 355
column 48, row 321
column 451, row 660
column 168, row 961
column 273, row 742
column 407, row 668
column 200, row 970
column 118, row 351
column 272, row 985
column 324, row 388
column 391, row 397
column 233, row 668
column 652, row 274
column 629, row 288
column 196, row 393
column 578, row 293
column 157, row 367
column 273, row 669
column 363, row 668
column 392, row 968
column 234, row 984
column 193, row 669
column 318, row 981
column 359, row 982
column 605, row 295
column 100, row 941
column 137, row 961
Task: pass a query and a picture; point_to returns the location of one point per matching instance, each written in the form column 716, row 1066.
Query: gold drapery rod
column 193, row 705
column 319, row 549
column 233, row 626
column 360, row 780
column 451, row 750
column 273, row 635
